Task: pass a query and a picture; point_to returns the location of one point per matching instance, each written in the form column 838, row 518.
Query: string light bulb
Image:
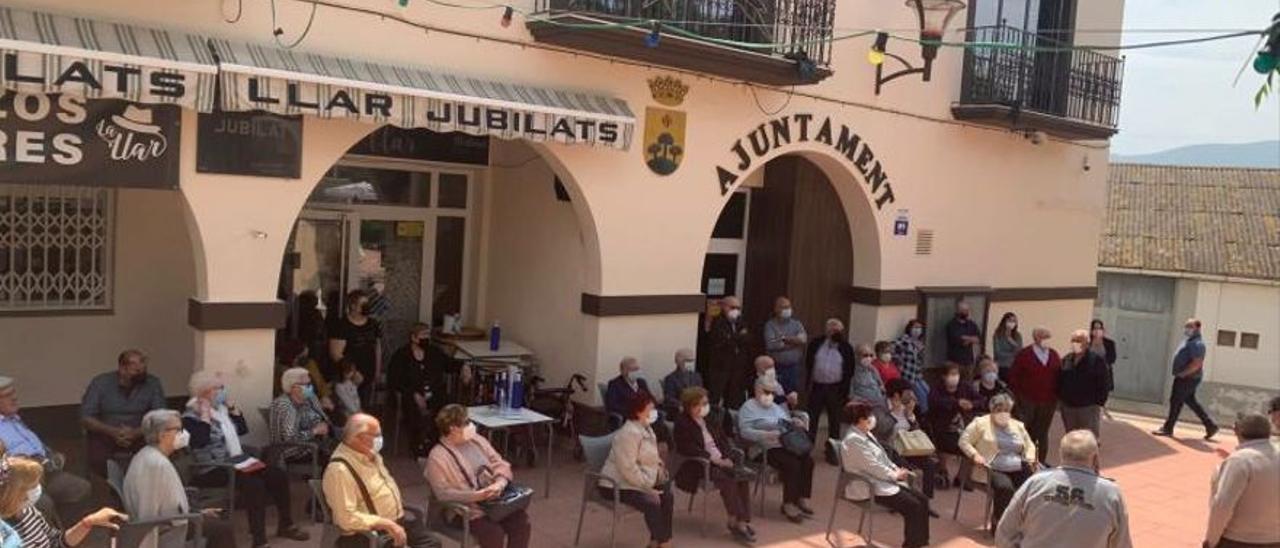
column 654, row 36
column 507, row 14
column 403, row 3
column 875, row 55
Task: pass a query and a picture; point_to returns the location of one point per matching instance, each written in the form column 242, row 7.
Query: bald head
column 730, row 302
column 628, row 365
column 763, row 363
column 358, row 424
column 1040, row 335
column 684, row 358
column 1079, row 448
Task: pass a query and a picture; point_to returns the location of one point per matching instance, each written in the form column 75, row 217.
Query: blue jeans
column 921, row 389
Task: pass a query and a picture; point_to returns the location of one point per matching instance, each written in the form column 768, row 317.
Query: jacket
column 865, row 456
column 945, row 406
column 1244, row 498
column 619, row 393
column 448, row 481
column 1032, row 381
column 1083, row 380
column 730, row 349
column 633, row 459
column 689, row 443
column 1065, row 507
column 846, row 354
column 979, row 438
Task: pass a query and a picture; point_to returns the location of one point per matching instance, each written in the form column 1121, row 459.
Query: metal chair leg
column 582, row 512
column 831, row 522
column 613, row 530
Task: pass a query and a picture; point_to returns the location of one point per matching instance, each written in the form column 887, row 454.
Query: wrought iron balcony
column 778, row 42
column 1074, row 94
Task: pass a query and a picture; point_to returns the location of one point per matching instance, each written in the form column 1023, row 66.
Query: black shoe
column 741, row 534
column 1209, row 431
column 795, row 518
column 1162, row 432
column 294, row 533
column 933, row 514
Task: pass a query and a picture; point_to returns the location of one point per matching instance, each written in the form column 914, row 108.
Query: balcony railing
column 1079, row 87
column 790, row 29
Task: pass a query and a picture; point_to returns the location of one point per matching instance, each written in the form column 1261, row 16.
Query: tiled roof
column 1203, row 220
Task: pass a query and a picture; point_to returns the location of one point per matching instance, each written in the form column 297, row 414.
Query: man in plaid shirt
column 908, row 353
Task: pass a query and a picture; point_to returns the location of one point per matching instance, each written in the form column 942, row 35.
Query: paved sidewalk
column 1165, row 484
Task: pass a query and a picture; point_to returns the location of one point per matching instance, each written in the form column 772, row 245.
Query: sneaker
column 792, row 513
column 294, row 533
column 1162, row 432
column 1209, row 431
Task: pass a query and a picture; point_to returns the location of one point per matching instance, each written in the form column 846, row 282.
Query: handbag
column 913, row 443
column 514, row 497
column 794, row 440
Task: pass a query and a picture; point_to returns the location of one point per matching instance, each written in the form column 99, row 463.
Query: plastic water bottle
column 517, row 390
column 500, row 398
column 495, row 336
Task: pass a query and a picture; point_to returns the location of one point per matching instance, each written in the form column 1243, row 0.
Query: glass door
column 388, row 264
column 314, row 275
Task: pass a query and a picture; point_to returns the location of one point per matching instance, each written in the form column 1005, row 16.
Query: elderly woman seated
column 1002, row 453
column 215, row 425
column 24, row 525
column 152, row 488
column 761, row 420
column 463, row 467
column 864, row 456
column 695, row 437
column 296, row 417
column 639, row 472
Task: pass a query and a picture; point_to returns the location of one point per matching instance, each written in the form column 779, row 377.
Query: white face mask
column 990, row 377
column 377, row 444
column 886, row 357
column 469, row 432
column 765, row 400
column 865, row 361
column 953, row 381
column 1010, row 325
column 1000, row 419
column 871, row 423
column 181, row 439
column 1077, row 347
column 631, row 376
column 34, row 495
column 916, row 332
column 733, row 314
column 1044, row 344
column 770, row 372
column 785, row 314
column 653, row 416
column 704, row 410
column 1189, row 332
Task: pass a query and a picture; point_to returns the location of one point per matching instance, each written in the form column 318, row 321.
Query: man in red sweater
column 1034, row 380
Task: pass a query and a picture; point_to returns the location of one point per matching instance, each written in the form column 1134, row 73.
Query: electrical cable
column 785, row 104
column 239, row 13
column 277, row 30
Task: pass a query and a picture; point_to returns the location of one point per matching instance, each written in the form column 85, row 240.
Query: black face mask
column 837, row 337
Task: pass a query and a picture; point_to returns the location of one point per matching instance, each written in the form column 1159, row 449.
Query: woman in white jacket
column 863, row 455
column 1002, row 453
column 638, row 470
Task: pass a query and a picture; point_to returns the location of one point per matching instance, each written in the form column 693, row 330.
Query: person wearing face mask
column 637, row 469
column 24, row 524
column 1244, row 498
column 902, row 417
column 761, row 421
column 215, row 425
column 1034, row 381
column 621, row 391
column 1082, row 386
column 1188, row 371
column 784, row 340
column 1069, row 506
column 359, row 337
column 988, row 384
column 364, row 497
column 964, row 339
column 951, row 407
column 112, row 409
column 417, row 372
column 697, row 438
column 1102, row 345
column 1002, row 453
column 864, row 455
column 463, row 467
column 728, row 364
column 153, row 489
column 884, row 362
column 765, row 367
column 296, row 417
column 829, row 367
column 676, row 382
column 1006, row 343
column 908, row 353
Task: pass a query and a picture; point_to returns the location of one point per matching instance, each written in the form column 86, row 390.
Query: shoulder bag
column 513, row 498
column 913, row 443
column 794, row 440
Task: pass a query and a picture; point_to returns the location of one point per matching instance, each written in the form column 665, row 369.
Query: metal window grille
column 55, row 248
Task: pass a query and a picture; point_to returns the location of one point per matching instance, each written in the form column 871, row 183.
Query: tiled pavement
column 1165, row 484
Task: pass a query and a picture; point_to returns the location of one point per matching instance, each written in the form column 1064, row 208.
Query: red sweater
column 1033, row 381
column 888, row 371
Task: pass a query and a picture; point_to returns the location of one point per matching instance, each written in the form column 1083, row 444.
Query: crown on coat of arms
column 668, row 90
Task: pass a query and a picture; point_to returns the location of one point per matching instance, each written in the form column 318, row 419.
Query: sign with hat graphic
column 65, row 139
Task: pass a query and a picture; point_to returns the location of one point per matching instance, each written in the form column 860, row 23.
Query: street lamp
column 933, row 16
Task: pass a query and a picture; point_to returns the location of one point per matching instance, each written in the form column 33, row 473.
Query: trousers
column 1184, row 392
column 796, row 473
column 1003, row 485
column 512, row 532
column 1088, row 418
column 658, row 511
column 254, row 490
column 914, row 508
column 1038, row 418
column 828, row 398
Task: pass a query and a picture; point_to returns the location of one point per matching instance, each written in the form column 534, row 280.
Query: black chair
column 441, row 516
column 208, row 497
column 296, row 470
column 966, row 481
column 705, row 485
column 133, row 533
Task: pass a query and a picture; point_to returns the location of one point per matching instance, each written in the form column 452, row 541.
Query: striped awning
column 44, row 53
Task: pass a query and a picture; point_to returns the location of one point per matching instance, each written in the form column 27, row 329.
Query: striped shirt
column 292, row 423
column 34, row 530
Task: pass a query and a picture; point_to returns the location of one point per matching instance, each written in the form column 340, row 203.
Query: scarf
column 220, row 414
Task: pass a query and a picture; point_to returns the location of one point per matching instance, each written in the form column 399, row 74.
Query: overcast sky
column 1183, row 95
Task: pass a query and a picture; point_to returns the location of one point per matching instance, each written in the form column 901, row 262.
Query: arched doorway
column 784, row 231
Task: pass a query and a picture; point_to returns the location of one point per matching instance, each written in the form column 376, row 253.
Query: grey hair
column 1253, row 426
column 356, row 425
column 1000, row 401
column 154, row 423
column 835, row 322
column 292, row 376
column 1079, row 447
column 203, row 380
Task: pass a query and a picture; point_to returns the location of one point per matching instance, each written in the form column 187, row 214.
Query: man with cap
column 64, row 494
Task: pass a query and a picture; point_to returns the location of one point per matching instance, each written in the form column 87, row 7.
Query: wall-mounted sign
column 901, row 223
column 663, row 139
column 667, row 90
column 69, row 140
column 785, row 130
column 423, row 144
column 249, row 143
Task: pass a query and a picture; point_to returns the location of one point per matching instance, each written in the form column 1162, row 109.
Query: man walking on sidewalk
column 1188, row 371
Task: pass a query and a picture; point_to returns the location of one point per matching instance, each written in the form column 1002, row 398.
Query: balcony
column 775, row 42
column 1072, row 94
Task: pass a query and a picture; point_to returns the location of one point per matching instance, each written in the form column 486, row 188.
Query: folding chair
column 303, row 471
column 440, row 516
column 867, row 506
column 966, row 470
column 329, row 532
column 596, row 451
column 132, row 534
column 705, row 485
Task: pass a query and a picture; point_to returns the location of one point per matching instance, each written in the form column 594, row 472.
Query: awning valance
column 46, row 53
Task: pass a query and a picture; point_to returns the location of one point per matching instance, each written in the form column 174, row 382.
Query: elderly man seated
column 623, row 388
column 113, row 405
column 64, row 493
column 363, row 495
column 296, row 417
column 675, row 383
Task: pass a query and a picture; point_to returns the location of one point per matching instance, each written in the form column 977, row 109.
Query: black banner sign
column 423, row 144
column 63, row 139
column 249, row 143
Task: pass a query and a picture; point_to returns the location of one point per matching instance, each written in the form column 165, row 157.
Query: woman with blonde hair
column 19, row 491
